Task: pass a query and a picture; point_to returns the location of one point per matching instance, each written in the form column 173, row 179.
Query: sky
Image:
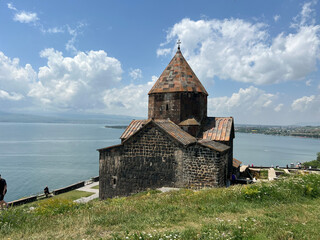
column 258, row 60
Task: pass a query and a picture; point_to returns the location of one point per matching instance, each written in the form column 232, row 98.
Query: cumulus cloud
column 64, row 83
column 14, row 78
column 25, row 17
column 10, row 96
column 307, row 103
column 136, row 73
column 129, row 100
column 250, row 100
column 75, row 83
column 243, row 51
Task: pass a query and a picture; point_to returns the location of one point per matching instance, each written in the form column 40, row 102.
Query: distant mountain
column 65, row 118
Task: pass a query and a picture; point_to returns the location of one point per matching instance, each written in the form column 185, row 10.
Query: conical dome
column 178, row 77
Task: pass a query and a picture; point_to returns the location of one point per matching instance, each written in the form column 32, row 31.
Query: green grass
column 95, row 187
column 263, row 174
column 282, row 209
column 73, row 195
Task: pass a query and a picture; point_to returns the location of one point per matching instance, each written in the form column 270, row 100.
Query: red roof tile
column 178, row 77
column 236, row 163
column 220, row 147
column 175, row 131
column 168, row 126
column 220, row 129
column 133, row 127
column 189, row 122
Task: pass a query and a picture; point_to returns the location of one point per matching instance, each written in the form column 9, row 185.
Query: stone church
column 177, row 146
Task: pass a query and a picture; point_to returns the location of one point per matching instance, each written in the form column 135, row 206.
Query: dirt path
column 88, row 188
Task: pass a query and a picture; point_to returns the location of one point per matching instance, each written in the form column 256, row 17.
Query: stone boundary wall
column 22, row 201
column 54, row 192
column 68, row 188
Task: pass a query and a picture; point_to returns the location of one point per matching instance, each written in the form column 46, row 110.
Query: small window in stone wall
column 167, row 107
column 114, row 181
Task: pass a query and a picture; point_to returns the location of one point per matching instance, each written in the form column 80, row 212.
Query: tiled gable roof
column 168, row 126
column 133, row 127
column 220, row 147
column 176, row 132
column 189, row 122
column 178, row 77
column 220, row 129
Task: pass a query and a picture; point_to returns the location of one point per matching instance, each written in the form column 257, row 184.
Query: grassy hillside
column 283, row 209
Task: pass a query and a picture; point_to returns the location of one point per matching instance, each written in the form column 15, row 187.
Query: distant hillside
column 65, row 118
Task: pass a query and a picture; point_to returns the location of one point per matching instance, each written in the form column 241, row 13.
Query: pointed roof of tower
column 178, row 77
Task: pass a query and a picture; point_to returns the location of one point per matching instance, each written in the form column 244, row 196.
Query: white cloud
column 306, row 16
column 242, row 51
column 278, row 107
column 10, row 6
column 276, row 18
column 25, row 17
column 75, row 83
column 307, row 103
column 163, row 51
column 251, row 101
column 53, row 30
column 13, row 77
column 13, row 96
column 136, row 73
column 308, row 83
column 74, row 32
column 129, row 100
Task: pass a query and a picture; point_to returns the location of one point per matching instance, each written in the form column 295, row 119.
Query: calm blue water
column 33, row 155
column 267, row 150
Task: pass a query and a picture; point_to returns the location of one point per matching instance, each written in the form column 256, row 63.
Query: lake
column 33, row 155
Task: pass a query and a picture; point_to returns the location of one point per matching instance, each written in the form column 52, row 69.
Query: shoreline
column 55, row 192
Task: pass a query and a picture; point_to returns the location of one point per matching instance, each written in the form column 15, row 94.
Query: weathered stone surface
column 177, row 106
column 151, row 159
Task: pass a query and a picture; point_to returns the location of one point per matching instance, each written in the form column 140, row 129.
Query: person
column 3, row 191
column 46, row 191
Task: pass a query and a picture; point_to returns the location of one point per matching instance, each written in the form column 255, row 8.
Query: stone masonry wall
column 151, row 159
column 204, row 167
column 147, row 160
column 178, row 106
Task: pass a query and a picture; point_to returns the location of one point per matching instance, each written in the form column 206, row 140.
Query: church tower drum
column 178, row 94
